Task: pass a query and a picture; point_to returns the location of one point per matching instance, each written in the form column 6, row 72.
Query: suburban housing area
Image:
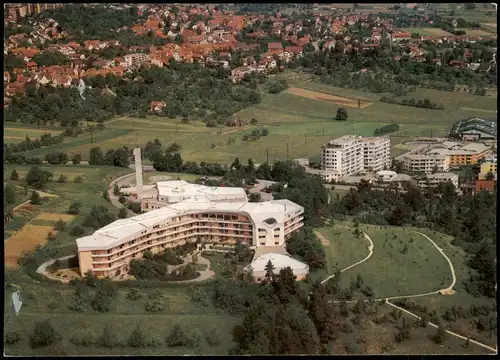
column 250, row 179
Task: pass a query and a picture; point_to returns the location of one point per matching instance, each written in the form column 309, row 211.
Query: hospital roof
column 113, row 234
column 181, row 187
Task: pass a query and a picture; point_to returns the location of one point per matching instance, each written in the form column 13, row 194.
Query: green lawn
column 344, row 249
column 389, row 272
column 126, row 313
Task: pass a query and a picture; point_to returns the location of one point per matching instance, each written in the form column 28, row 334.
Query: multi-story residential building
column 441, row 157
column 134, row 60
column 376, row 153
column 460, row 155
column 433, row 180
column 426, row 163
column 343, row 155
column 351, row 154
column 109, row 250
column 488, row 166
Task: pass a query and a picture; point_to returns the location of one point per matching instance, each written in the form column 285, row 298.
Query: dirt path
column 446, row 291
column 452, row 269
column 323, row 239
column 370, row 249
column 448, row 331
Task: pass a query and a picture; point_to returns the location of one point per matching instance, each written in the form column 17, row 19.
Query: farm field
column 15, row 133
column 95, row 180
column 427, row 31
column 294, row 117
column 339, row 100
column 128, row 314
column 25, row 240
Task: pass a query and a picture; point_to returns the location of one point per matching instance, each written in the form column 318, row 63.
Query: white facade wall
column 349, row 155
column 376, row 153
column 426, row 163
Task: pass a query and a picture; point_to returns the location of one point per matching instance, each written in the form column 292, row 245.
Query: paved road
column 204, row 275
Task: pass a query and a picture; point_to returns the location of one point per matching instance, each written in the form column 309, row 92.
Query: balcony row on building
column 443, row 156
column 109, row 250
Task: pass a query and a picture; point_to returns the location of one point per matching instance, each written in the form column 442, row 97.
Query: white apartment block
column 132, row 60
column 426, row 163
column 352, row 154
column 376, row 153
column 433, row 180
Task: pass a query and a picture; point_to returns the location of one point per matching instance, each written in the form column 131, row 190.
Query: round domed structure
column 386, row 175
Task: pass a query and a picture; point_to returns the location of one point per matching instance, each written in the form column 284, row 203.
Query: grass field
column 344, row 248
column 302, row 122
column 127, row 314
column 389, row 272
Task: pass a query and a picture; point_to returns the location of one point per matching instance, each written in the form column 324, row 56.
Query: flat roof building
column 351, row 154
column 433, row 180
column 109, row 250
column 279, row 261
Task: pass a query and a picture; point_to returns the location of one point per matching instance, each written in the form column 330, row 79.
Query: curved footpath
column 370, row 249
column 448, row 290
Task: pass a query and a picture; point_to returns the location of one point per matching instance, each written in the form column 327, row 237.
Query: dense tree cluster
column 84, row 22
column 187, row 89
column 387, row 129
column 426, row 103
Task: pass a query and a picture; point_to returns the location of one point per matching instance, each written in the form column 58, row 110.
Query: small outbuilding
column 279, row 261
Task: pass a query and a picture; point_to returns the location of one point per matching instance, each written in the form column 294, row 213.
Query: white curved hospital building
column 196, row 213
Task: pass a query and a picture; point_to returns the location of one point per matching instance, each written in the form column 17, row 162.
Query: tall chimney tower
column 138, row 173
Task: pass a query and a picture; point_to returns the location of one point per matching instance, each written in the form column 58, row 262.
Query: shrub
column 12, row 336
column 135, row 207
column 85, row 338
column 212, row 338
column 60, row 225
column 154, row 340
column 122, row 199
column 108, row 338
column 194, row 339
column 14, row 175
column 35, row 198
column 77, row 231
column 44, row 335
column 74, row 208
column 199, row 296
column 134, row 294
column 156, row 302
column 137, row 338
column 78, row 179
column 177, row 336
column 122, row 213
column 62, row 178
